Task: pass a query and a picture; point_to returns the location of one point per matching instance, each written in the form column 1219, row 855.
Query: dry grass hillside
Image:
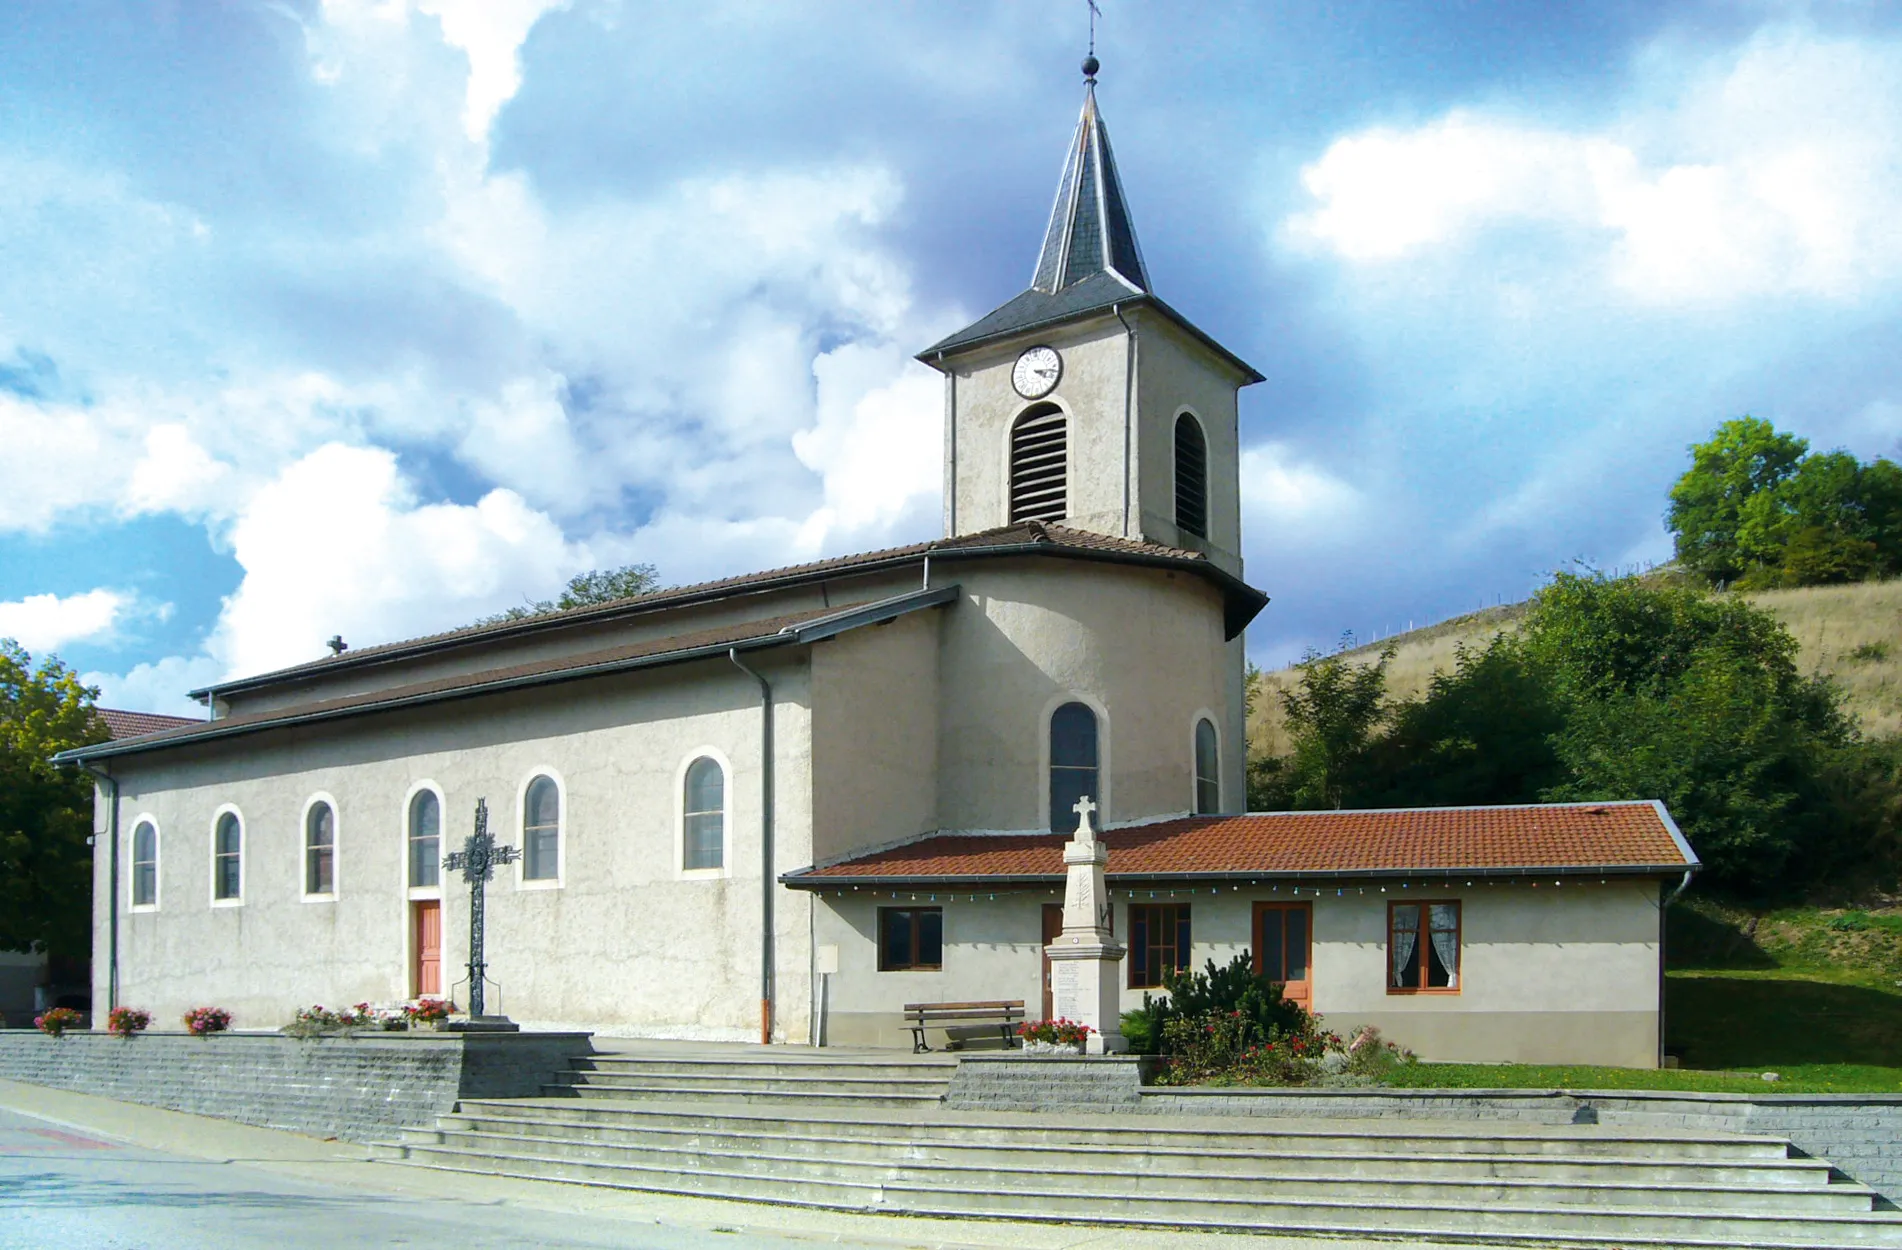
column 1852, row 633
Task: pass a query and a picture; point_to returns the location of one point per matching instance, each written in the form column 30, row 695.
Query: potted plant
column 54, row 1023
column 1053, row 1037
column 126, row 1021
column 430, row 1012
column 204, row 1021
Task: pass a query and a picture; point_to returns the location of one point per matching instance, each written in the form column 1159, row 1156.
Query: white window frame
column 1221, row 791
column 1100, row 818
column 336, row 849
column 680, row 816
column 211, row 887
column 1069, row 455
column 424, row 892
column 563, row 830
column 158, row 863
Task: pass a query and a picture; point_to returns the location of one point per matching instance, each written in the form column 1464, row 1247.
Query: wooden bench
column 921, row 1016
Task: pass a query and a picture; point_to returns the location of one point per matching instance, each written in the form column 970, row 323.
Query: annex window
column 1073, row 765
column 1040, row 465
column 910, row 939
column 1423, row 947
column 1282, row 937
column 703, row 818
column 425, row 840
column 145, row 864
column 320, row 849
column 541, row 831
column 1192, row 477
column 227, row 858
column 1158, row 942
column 1208, row 774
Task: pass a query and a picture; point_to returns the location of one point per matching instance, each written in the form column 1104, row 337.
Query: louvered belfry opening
column 1192, row 477
column 1039, row 465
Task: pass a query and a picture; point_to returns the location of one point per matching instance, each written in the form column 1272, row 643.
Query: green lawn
column 1818, row 1078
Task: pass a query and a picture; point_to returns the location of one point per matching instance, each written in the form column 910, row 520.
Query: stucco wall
column 625, row 941
column 1176, row 373
column 1547, row 976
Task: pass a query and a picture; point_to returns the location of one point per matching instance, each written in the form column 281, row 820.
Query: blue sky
column 370, row 318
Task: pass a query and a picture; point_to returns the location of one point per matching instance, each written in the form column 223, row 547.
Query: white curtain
column 1446, row 942
column 1406, row 940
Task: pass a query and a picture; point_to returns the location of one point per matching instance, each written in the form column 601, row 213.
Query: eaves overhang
column 809, row 879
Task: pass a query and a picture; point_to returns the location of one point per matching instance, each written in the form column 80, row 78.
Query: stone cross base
column 1085, row 986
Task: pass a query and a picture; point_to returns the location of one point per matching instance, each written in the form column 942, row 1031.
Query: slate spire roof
column 1090, row 231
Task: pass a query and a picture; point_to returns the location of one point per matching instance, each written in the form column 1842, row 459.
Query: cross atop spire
column 1090, row 231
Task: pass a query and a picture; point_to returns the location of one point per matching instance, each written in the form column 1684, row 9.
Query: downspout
column 111, row 783
column 951, row 451
column 1663, row 909
column 1129, row 391
column 765, row 848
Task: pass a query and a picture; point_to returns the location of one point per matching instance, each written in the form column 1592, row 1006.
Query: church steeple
column 1090, row 231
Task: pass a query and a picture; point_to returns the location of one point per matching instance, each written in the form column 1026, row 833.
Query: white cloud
column 159, row 687
column 878, row 441
column 174, row 474
column 491, row 34
column 42, row 623
column 1774, row 169
column 1283, row 493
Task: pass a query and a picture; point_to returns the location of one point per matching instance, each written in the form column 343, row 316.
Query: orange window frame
column 1424, row 942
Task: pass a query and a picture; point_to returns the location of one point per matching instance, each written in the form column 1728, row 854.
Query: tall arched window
column 227, row 858
column 145, row 865
column 320, row 849
column 541, row 831
column 1208, row 770
column 1073, row 770
column 425, row 840
column 1192, row 477
column 1040, row 465
column 703, row 819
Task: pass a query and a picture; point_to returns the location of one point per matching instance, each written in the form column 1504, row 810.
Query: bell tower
column 1086, row 401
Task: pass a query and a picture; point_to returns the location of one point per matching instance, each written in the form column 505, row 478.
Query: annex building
column 862, row 770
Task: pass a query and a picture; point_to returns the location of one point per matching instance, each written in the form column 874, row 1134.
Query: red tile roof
column 1616, row 837
column 133, row 724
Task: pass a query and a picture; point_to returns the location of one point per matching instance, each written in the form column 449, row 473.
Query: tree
column 1331, row 713
column 1742, row 458
column 586, row 590
column 45, row 810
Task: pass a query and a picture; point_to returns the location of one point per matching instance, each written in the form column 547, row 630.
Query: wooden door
column 1052, row 930
column 426, row 975
column 1284, row 948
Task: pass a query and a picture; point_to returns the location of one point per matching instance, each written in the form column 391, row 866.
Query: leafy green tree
column 586, row 590
column 1332, row 714
column 1741, row 459
column 45, row 810
column 1832, row 520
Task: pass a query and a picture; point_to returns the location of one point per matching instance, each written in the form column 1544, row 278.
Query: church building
column 856, row 776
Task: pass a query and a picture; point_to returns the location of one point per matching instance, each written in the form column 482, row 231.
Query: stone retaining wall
column 1859, row 1133
column 358, row 1087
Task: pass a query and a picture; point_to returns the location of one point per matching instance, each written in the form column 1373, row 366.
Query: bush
column 1222, row 991
column 1054, row 1032
column 429, row 1010
column 204, row 1021
column 125, row 1021
column 55, row 1022
column 312, row 1021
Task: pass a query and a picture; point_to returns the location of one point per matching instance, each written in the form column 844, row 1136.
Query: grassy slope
column 1852, row 633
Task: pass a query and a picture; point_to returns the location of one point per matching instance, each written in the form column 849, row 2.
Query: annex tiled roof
column 137, row 724
column 1594, row 837
column 1026, row 535
column 794, row 628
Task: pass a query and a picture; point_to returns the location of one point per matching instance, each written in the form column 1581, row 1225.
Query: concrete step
column 632, row 1089
column 1380, row 1158
column 938, row 1069
column 1183, row 1181
column 1256, row 1135
column 734, row 1077
column 1554, row 1224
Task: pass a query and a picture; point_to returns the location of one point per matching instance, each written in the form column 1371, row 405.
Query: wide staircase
column 869, row 1132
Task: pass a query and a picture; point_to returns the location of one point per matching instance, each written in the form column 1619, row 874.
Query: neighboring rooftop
column 1552, row 838
column 122, row 725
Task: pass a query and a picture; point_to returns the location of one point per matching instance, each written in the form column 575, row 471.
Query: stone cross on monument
column 1085, row 981
column 476, row 861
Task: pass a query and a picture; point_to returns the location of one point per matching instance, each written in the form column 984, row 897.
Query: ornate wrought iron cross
column 476, row 862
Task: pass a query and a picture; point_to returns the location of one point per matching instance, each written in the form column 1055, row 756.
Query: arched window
column 1040, row 465
column 227, row 858
column 425, row 840
column 541, row 831
column 145, row 865
column 320, row 849
column 1192, row 477
column 703, row 818
column 1073, row 770
column 1208, row 770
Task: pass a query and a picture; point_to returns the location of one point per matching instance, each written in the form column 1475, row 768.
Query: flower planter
column 1051, row 1050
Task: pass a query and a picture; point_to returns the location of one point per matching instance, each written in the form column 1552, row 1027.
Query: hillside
column 1852, row 633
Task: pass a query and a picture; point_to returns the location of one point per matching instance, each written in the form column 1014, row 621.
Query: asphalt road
column 60, row 1187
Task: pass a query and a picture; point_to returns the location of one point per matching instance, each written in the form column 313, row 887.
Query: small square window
column 910, row 939
column 1423, row 947
column 1158, row 943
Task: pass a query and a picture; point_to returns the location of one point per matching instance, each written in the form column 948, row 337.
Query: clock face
column 1036, row 372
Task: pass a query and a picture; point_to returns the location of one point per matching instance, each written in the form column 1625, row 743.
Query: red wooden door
column 1283, row 948
column 1052, row 930
column 427, row 974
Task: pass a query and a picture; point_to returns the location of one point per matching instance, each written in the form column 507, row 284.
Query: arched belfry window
column 1208, row 775
column 1192, row 477
column 1073, row 764
column 1040, row 465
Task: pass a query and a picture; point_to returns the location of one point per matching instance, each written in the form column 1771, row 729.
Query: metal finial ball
column 1090, row 66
